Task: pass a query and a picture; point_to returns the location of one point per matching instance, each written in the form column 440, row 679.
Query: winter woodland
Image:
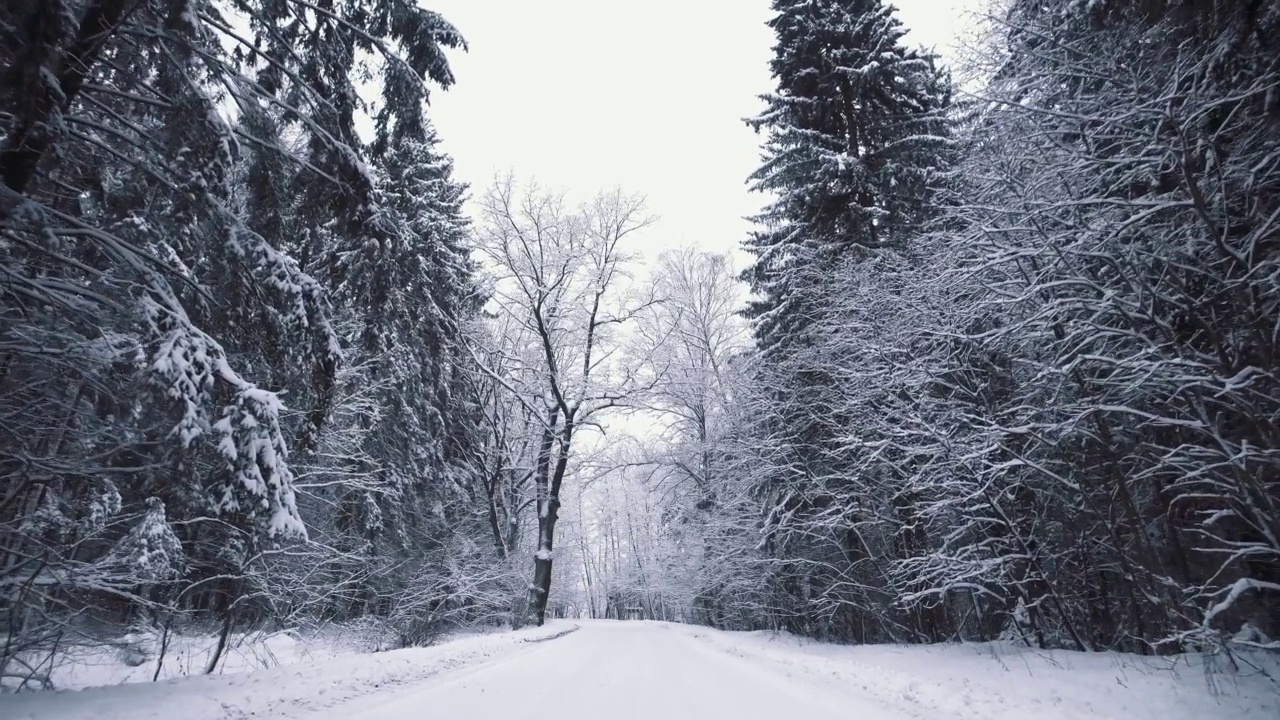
column 1003, row 361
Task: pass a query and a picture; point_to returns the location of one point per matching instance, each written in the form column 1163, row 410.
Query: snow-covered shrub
column 139, row 646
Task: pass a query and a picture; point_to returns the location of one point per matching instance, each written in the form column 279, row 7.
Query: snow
column 1006, row 681
column 652, row 670
column 300, row 680
column 189, row 654
column 150, row 551
column 1234, row 591
column 616, row 670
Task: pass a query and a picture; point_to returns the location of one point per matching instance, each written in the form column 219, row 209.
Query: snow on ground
column 616, row 670
column 622, row 670
column 1006, row 681
column 135, row 657
column 315, row 680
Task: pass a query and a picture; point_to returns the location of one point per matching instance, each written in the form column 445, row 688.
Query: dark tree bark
column 33, row 137
column 548, row 514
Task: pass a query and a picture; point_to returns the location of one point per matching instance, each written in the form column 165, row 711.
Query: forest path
column 619, row 671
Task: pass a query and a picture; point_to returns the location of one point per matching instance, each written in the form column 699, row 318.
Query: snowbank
column 134, row 658
column 1001, row 681
column 298, row 688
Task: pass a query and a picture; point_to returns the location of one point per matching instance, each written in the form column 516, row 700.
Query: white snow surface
column 134, row 657
column 1007, row 681
column 659, row 671
column 305, row 684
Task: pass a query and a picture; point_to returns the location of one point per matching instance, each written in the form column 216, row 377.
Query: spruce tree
column 412, row 291
column 855, row 142
column 855, row 135
column 161, row 164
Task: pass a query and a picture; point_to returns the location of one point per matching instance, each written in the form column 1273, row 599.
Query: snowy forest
column 1000, row 360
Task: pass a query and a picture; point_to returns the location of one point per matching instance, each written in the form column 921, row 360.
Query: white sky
column 649, row 96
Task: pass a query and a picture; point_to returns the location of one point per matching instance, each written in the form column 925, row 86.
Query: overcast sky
column 648, row 96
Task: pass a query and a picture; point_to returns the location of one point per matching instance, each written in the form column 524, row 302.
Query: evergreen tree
column 410, row 291
column 170, row 171
column 856, row 141
column 855, row 135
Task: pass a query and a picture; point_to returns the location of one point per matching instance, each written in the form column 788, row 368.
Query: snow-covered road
column 614, row 670
column 618, row 671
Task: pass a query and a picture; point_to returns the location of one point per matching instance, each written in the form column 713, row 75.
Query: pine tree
column 412, row 292
column 160, row 161
column 855, row 133
column 856, row 139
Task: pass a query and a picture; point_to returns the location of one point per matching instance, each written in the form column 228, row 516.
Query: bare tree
column 689, row 342
column 561, row 286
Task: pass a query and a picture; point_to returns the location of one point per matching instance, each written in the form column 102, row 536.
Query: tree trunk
column 495, row 524
column 540, row 590
column 33, row 137
column 548, row 513
column 227, row 622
